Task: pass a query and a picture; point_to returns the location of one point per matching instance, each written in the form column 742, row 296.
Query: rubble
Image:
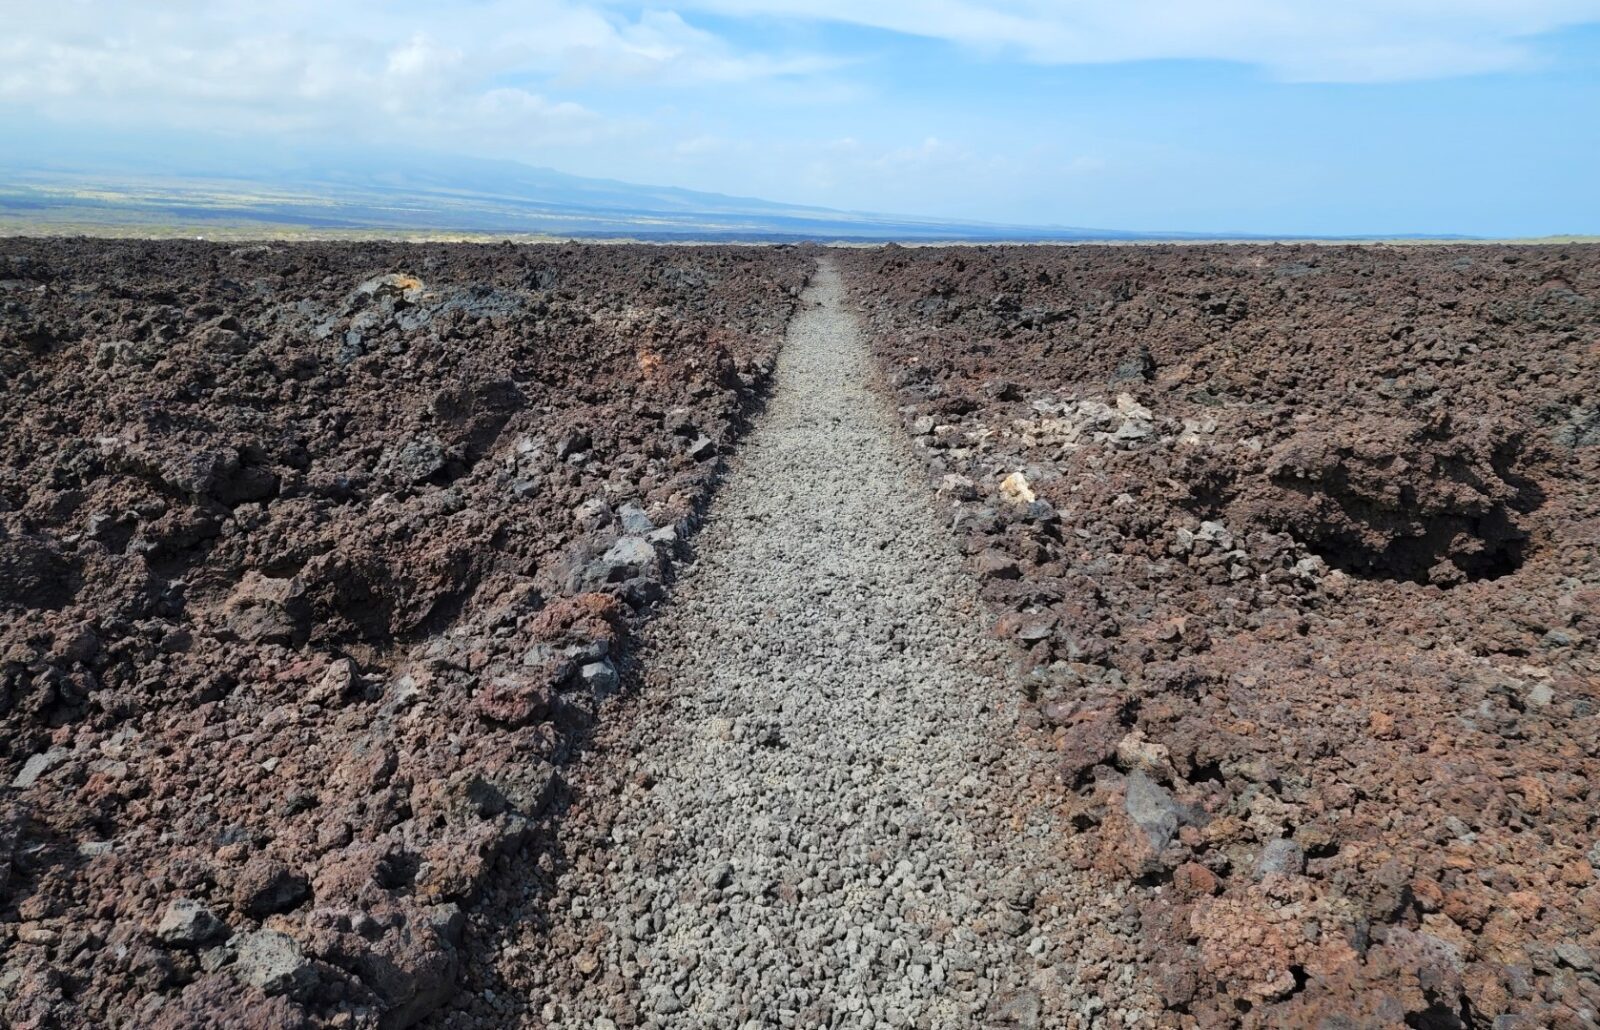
column 1311, row 633
column 276, row 535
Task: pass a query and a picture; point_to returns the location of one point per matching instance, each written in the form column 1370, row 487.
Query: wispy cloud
column 490, row 72
column 661, row 46
column 505, row 70
column 1344, row 41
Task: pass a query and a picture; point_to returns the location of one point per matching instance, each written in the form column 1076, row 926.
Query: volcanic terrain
column 1181, row 636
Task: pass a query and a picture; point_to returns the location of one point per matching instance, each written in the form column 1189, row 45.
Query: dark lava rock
column 277, row 526
column 266, row 886
column 1330, row 517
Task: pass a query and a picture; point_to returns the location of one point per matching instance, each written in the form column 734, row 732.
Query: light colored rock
column 630, row 551
column 187, row 923
column 35, row 933
column 664, row 1002
column 1280, row 856
column 635, row 520
column 1135, row 752
column 629, row 557
column 394, row 284
column 37, row 766
column 1152, row 808
column 959, row 487
column 1573, row 954
column 1015, row 489
column 1127, row 407
column 1215, row 533
column 337, row 682
column 702, row 449
column 276, row 963
column 599, row 677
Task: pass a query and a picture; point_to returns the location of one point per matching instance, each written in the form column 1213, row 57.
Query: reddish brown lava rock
column 292, row 540
column 1321, row 525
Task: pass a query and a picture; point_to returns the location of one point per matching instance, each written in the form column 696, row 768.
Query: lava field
column 319, row 562
column 1302, row 545
column 316, row 561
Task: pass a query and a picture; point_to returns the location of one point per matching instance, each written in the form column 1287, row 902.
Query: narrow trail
column 813, row 818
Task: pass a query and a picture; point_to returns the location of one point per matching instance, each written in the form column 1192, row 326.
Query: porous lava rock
column 1300, row 548
column 297, row 625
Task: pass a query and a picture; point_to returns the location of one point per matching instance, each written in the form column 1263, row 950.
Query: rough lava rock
column 290, row 649
column 1312, row 553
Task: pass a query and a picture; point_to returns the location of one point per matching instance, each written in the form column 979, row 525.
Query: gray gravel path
column 813, row 818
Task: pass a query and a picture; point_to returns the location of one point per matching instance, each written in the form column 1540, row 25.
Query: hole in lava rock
column 1202, row 772
column 1394, row 499
column 398, row 870
column 1322, row 849
column 1448, row 552
column 1437, row 1016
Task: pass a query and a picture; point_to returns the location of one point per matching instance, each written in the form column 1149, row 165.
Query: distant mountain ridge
column 410, row 193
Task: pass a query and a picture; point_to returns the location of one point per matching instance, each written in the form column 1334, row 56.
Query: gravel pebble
column 814, row 816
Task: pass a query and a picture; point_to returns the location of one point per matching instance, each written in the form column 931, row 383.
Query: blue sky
column 1288, row 116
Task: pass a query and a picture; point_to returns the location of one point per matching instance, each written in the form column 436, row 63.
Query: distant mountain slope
column 413, row 193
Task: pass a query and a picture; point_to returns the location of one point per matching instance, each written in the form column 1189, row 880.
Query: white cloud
column 661, row 46
column 932, row 151
column 733, row 94
column 1333, row 40
column 422, row 59
column 478, row 73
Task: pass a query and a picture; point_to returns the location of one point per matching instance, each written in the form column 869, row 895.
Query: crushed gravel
column 814, row 813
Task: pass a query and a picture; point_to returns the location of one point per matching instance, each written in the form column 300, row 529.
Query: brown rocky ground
column 314, row 562
column 1303, row 545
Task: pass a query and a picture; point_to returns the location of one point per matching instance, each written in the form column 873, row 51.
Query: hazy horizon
column 1249, row 116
